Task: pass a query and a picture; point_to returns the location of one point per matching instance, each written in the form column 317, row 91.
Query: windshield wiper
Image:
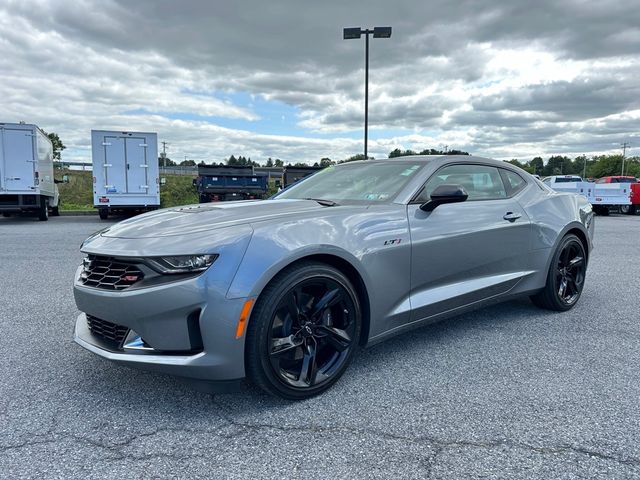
column 323, row 202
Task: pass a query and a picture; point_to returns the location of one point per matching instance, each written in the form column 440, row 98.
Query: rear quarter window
column 512, row 181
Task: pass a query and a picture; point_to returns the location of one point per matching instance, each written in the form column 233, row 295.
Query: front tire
column 565, row 279
column 303, row 331
column 104, row 213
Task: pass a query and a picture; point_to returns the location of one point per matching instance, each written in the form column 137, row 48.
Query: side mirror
column 445, row 194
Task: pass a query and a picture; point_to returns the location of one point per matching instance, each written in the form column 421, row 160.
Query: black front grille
column 107, row 273
column 108, row 331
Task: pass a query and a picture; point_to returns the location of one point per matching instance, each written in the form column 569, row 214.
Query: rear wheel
column 104, row 213
column 43, row 211
column 303, row 331
column 6, row 214
column 55, row 211
column 565, row 279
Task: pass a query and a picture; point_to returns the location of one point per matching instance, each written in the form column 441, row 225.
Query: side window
column 481, row 182
column 513, row 181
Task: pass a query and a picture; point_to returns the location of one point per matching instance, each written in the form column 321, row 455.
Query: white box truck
column 125, row 171
column 26, row 171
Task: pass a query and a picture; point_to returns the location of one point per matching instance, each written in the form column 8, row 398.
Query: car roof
column 438, row 159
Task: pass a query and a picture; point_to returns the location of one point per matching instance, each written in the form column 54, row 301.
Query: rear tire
column 6, row 214
column 55, row 212
column 104, row 213
column 303, row 331
column 43, row 211
column 565, row 279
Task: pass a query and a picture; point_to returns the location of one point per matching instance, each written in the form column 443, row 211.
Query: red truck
column 635, row 191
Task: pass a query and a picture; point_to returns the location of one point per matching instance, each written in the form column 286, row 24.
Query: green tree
column 524, row 166
column 58, row 146
column 278, row 163
column 401, row 153
column 169, row 162
column 558, row 165
column 536, row 165
column 606, row 165
column 456, row 152
column 188, row 163
column 269, row 162
column 325, row 162
column 356, row 157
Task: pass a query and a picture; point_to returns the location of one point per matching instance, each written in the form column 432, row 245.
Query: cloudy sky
column 501, row 78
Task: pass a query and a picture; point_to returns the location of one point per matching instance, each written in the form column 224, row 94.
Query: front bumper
column 163, row 316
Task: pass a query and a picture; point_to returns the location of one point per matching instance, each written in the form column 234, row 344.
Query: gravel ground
column 506, row 392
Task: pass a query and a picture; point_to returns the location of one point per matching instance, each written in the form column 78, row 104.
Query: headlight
column 182, row 263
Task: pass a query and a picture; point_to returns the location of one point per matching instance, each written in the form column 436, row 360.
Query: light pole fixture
column 357, row 32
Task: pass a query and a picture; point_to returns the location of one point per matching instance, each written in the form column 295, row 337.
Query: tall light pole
column 357, row 32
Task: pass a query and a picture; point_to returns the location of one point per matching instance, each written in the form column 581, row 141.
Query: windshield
column 366, row 181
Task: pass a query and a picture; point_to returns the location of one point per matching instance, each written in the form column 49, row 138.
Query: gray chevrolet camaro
column 283, row 291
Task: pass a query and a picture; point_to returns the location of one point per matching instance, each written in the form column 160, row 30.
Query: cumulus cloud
column 505, row 79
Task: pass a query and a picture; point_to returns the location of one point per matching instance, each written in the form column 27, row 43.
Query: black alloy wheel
column 565, row 280
column 303, row 331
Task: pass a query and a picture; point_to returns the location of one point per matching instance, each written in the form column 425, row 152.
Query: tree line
column 588, row 167
column 596, row 166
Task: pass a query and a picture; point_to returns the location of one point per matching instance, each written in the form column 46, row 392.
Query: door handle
column 511, row 216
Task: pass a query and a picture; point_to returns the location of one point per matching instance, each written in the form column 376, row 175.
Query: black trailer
column 291, row 175
column 229, row 182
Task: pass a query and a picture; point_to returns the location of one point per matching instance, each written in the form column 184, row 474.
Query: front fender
column 263, row 260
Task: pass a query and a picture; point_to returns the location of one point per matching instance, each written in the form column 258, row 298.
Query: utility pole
column 624, row 146
column 164, row 154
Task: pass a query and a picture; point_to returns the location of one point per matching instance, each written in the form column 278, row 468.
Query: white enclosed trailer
column 125, row 171
column 26, row 171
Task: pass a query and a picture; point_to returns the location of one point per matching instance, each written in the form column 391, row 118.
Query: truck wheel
column 628, row 209
column 6, row 214
column 43, row 212
column 633, row 209
column 104, row 213
column 55, row 211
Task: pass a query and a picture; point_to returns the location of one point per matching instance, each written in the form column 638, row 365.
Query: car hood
column 209, row 216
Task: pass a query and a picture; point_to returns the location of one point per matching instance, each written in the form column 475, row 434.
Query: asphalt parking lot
column 506, row 392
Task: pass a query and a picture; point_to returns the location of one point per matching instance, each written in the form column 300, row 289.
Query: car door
column 469, row 251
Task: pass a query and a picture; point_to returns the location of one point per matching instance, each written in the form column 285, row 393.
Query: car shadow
column 172, row 394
